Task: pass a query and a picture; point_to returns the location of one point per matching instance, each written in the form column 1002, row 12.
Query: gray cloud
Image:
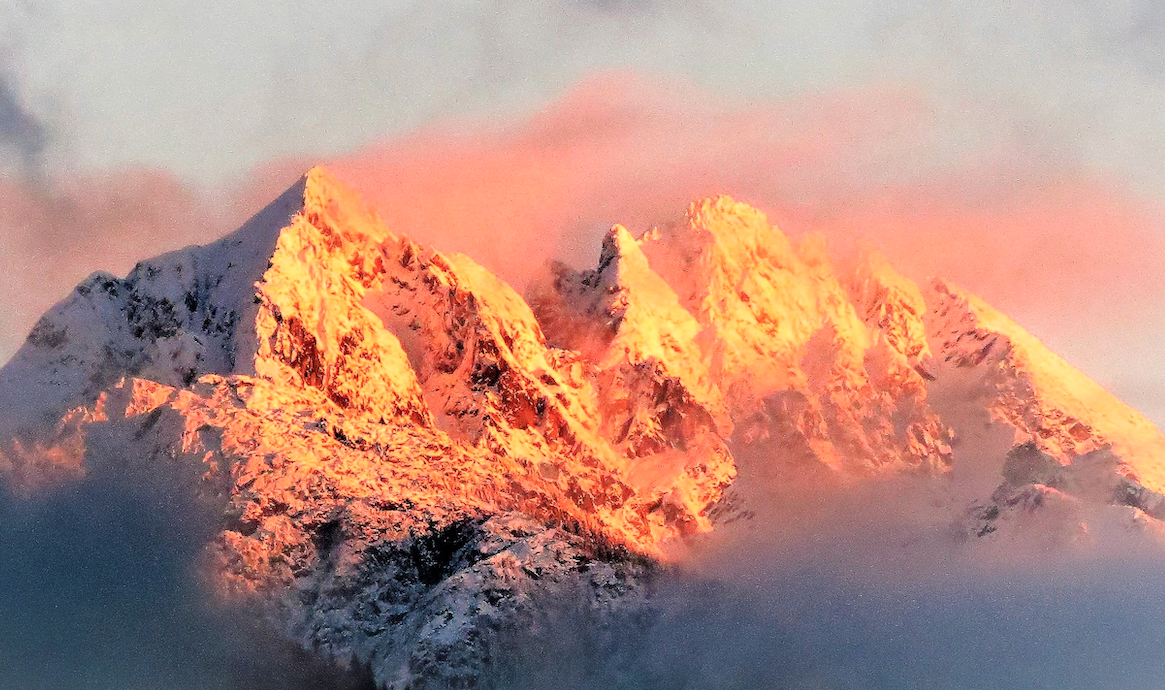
column 256, row 82
column 860, row 591
column 21, row 130
column 99, row 592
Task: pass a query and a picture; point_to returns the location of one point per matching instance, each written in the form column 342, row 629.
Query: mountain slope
column 1023, row 385
column 798, row 366
column 658, row 403
column 407, row 458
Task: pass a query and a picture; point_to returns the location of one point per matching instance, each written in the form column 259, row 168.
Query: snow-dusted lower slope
column 392, row 544
column 407, row 458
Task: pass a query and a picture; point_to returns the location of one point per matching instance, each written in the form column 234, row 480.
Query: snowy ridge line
column 407, row 456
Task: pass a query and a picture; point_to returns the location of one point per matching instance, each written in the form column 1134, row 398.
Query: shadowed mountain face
column 402, row 461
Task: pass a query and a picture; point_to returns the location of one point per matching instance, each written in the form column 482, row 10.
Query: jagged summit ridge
column 798, row 367
column 304, row 291
column 229, row 307
column 406, row 454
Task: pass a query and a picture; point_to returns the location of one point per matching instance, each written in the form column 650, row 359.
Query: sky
column 1016, row 145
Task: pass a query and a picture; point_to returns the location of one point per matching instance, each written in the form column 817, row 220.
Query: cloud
column 100, row 590
column 1047, row 240
column 259, row 81
column 20, row 129
column 866, row 590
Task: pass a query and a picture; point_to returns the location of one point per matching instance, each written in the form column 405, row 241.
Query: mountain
column 407, row 459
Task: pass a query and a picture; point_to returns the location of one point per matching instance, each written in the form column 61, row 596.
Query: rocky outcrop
column 1080, row 502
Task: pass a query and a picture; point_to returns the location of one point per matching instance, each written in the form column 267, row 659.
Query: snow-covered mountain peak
column 407, row 454
column 738, row 230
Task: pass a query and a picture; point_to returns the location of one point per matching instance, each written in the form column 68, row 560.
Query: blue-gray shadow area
column 816, row 628
column 821, row 629
column 869, row 589
column 99, row 591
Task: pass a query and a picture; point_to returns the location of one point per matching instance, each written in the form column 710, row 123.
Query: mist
column 20, row 130
column 103, row 591
column 858, row 587
column 817, row 628
column 1084, row 84
column 868, row 589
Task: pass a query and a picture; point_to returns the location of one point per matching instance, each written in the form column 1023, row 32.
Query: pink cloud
column 1025, row 232
column 1029, row 234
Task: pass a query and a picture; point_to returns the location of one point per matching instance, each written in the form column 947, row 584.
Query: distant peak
column 620, row 254
column 620, row 239
column 723, row 206
column 320, row 174
column 733, row 229
column 327, row 200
